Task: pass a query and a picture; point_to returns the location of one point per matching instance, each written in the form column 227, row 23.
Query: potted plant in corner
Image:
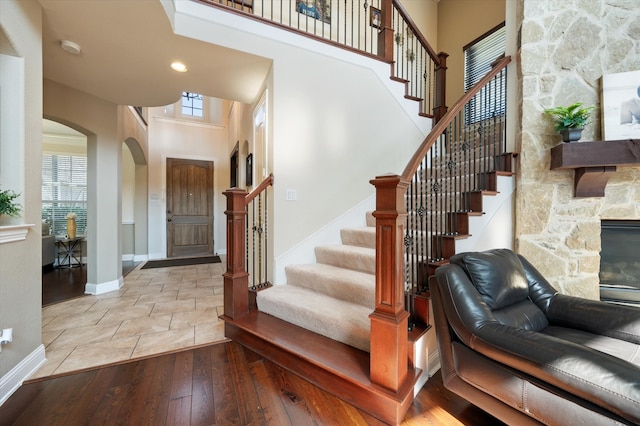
column 8, row 206
column 570, row 120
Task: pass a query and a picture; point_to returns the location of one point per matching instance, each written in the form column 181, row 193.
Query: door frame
column 216, row 217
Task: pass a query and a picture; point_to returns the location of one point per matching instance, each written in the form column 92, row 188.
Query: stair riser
column 360, row 237
column 356, row 261
column 359, row 290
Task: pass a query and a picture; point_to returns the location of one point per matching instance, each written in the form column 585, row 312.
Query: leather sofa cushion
column 498, row 276
column 618, row 348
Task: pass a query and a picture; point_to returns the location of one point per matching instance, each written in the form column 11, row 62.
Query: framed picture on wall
column 316, row 9
column 249, row 170
column 621, row 106
column 375, row 17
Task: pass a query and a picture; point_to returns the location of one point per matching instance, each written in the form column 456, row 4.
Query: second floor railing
column 381, row 29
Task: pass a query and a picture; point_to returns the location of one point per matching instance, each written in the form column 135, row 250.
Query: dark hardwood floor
column 60, row 284
column 215, row 384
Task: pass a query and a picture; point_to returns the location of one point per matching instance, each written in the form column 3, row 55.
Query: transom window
column 192, row 104
column 64, row 190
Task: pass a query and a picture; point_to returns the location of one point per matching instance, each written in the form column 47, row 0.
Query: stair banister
column 236, row 278
column 439, row 59
column 414, row 28
column 389, row 320
column 389, row 335
column 442, row 125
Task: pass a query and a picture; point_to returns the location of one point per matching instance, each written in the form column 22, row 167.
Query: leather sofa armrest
column 600, row 378
column 616, row 321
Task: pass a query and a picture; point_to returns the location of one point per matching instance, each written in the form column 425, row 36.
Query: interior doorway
column 189, row 207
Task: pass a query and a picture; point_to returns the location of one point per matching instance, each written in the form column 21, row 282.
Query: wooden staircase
column 336, row 367
column 381, row 381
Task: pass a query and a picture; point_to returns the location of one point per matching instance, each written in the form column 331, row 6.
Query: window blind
column 478, row 57
column 64, row 190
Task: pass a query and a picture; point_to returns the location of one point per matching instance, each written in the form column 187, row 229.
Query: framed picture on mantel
column 621, row 106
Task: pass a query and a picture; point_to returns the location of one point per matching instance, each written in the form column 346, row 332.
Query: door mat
column 166, row 263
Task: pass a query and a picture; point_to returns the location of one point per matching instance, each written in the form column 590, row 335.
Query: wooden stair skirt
column 339, row 369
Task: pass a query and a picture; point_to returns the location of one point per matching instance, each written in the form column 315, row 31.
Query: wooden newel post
column 389, row 321
column 440, row 102
column 385, row 33
column 236, row 279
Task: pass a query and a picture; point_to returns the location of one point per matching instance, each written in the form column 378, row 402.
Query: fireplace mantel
column 594, row 162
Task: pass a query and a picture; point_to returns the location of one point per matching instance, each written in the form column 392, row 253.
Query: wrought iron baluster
column 253, row 244
column 260, row 240
column 466, row 194
column 246, row 238
column 266, row 241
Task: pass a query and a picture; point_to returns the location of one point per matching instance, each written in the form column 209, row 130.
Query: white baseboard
column 10, row 382
column 434, row 363
column 105, row 287
column 156, row 256
column 127, row 257
column 140, row 257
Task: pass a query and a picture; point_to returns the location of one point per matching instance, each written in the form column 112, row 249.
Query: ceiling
column 127, row 47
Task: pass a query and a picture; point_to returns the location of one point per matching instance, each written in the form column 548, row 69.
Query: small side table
column 69, row 252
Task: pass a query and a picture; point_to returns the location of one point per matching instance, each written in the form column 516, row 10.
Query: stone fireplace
column 620, row 261
column 564, row 52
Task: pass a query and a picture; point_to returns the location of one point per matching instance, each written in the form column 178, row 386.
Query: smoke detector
column 69, row 46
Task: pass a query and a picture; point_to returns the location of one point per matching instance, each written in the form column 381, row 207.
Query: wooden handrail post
column 440, row 102
column 385, row 35
column 389, row 333
column 236, row 279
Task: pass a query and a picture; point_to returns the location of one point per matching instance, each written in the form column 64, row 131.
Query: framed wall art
column 621, row 106
column 316, row 9
column 375, row 17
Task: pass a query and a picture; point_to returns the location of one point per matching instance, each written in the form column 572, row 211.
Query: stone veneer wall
column 566, row 47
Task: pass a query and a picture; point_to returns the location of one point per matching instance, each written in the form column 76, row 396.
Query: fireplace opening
column 620, row 261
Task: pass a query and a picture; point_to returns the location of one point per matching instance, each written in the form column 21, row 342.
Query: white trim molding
column 11, row 233
column 10, row 382
column 105, row 287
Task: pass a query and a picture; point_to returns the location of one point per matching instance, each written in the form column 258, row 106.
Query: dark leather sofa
column 512, row 345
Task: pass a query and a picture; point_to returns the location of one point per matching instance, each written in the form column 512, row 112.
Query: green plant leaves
column 570, row 117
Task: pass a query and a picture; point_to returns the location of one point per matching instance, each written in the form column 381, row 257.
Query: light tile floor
column 155, row 311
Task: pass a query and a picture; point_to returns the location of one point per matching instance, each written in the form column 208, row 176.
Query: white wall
column 336, row 120
column 128, row 185
column 98, row 120
column 20, row 261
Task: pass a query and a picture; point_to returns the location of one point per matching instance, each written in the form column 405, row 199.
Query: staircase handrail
column 445, row 121
column 265, row 183
column 414, row 28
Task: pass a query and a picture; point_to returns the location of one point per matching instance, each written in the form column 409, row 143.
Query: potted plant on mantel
column 570, row 120
column 8, row 206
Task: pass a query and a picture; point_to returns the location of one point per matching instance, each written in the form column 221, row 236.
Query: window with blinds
column 478, row 57
column 64, row 190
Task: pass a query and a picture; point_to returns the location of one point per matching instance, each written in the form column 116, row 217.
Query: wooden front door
column 189, row 207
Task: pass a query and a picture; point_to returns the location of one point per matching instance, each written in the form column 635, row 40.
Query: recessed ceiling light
column 179, row 66
column 69, row 46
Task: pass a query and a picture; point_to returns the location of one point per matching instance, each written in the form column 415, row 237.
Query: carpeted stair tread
column 345, row 284
column 361, row 237
column 349, row 257
column 339, row 320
